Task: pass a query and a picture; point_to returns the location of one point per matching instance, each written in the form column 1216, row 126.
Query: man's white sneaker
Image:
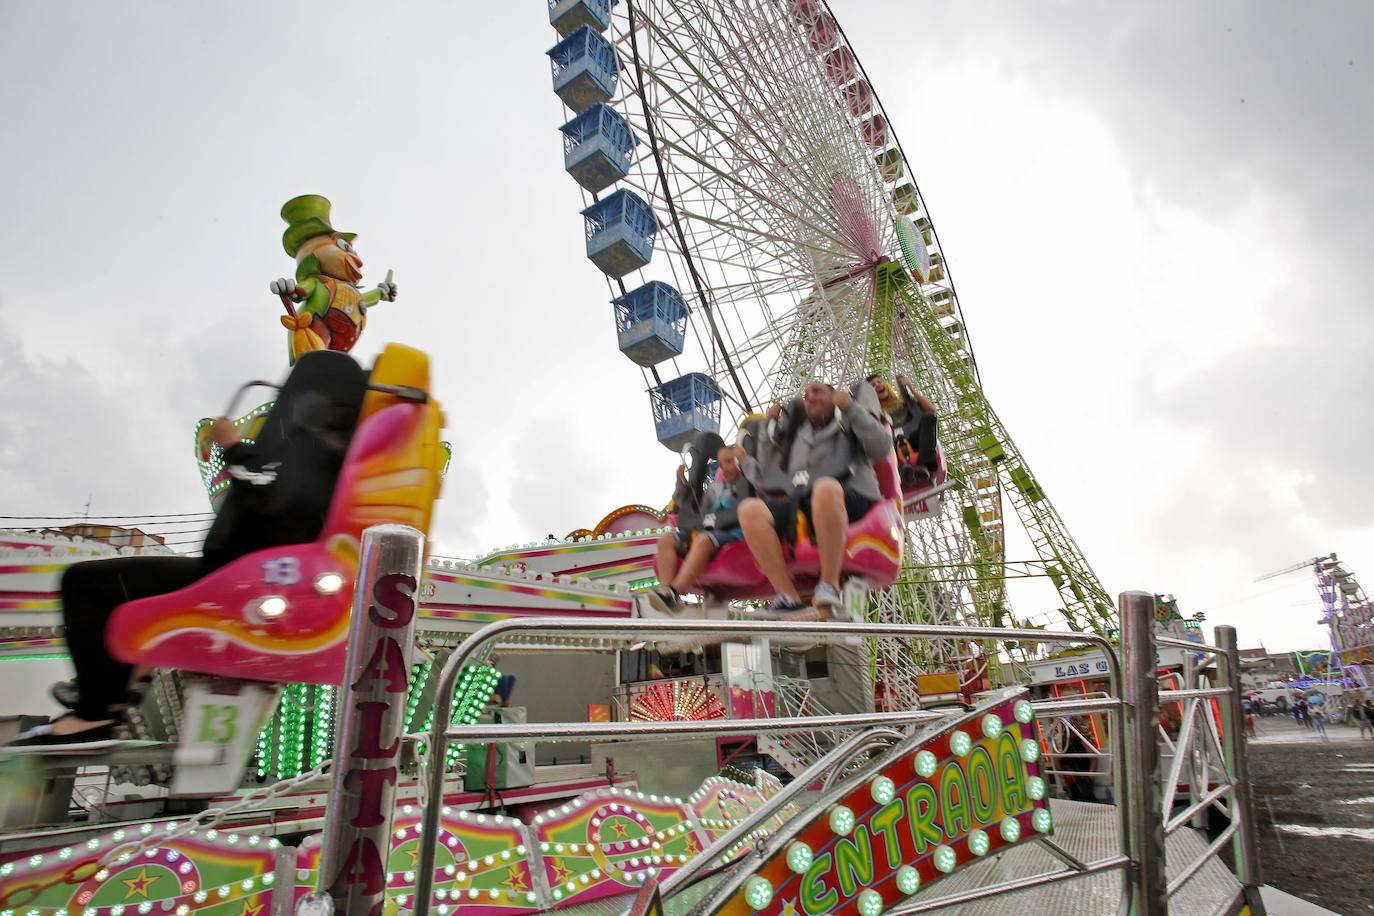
column 827, row 596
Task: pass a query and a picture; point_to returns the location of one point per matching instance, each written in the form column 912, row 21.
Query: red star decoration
column 139, row 884
column 560, row 873
column 515, row 879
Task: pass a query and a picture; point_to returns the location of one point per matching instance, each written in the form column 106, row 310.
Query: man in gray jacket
column 832, row 451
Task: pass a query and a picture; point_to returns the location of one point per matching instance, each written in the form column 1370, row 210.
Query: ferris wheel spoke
column 703, row 82
column 701, row 181
column 734, row 227
column 783, row 78
column 740, row 161
column 743, row 238
column 736, row 158
column 728, row 251
column 757, row 114
column 730, row 263
column 755, row 117
column 802, row 255
column 747, row 76
column 746, row 249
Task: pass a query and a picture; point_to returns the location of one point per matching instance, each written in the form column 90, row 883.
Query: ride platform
column 1085, row 830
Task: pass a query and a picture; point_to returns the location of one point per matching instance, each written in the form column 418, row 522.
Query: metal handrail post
column 1149, row 892
column 1194, row 762
column 1246, row 839
column 357, row 833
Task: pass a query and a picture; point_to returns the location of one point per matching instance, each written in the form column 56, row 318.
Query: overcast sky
column 1158, row 214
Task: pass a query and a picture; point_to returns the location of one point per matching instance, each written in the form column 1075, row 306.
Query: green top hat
column 307, row 216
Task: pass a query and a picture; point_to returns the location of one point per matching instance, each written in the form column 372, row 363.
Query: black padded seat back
column 302, row 445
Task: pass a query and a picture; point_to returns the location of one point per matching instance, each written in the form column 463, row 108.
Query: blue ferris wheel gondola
column 584, row 69
column 684, row 407
column 598, row 147
column 651, row 323
column 567, row 16
column 620, row 233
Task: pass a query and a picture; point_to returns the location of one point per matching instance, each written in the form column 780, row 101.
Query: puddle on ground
column 1359, row 833
column 1358, row 801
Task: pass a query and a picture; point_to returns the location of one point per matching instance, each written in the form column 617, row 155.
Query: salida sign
column 376, row 695
column 943, row 799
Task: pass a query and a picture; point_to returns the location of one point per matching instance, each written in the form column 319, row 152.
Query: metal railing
column 1060, row 737
column 794, row 698
column 1211, row 754
column 832, row 789
column 632, row 631
column 1132, row 706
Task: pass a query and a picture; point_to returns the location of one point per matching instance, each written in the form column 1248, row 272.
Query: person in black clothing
column 283, row 484
column 914, row 425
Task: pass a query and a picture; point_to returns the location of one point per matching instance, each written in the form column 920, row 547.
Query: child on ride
column 694, row 547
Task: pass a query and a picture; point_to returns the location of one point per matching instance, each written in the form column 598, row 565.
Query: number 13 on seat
column 222, row 722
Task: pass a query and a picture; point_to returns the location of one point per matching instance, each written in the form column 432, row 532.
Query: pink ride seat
column 282, row 614
column 873, row 551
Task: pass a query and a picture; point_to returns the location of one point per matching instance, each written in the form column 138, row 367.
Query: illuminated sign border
column 952, row 794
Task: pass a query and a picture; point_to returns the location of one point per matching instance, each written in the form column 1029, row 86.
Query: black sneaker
column 785, row 605
column 41, row 740
column 65, row 693
column 665, row 601
column 915, row 476
column 786, row 609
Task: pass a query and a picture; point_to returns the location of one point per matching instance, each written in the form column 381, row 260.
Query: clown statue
column 333, row 311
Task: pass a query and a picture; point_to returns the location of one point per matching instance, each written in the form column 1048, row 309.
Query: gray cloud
column 1159, row 217
column 1163, row 283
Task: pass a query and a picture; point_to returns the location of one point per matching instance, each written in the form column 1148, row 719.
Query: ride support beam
column 1144, row 826
column 1086, row 602
column 1246, row 842
column 367, row 753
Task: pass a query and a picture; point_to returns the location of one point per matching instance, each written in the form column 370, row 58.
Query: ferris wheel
column 747, row 130
column 755, row 216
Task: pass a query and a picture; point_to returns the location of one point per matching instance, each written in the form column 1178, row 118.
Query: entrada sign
column 943, row 799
